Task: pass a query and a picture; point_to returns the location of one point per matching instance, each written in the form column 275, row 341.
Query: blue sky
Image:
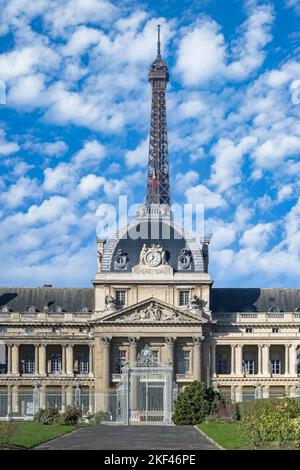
column 73, row 131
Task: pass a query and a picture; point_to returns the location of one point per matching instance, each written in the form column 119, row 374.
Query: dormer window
column 56, row 330
column 57, row 309
column 28, row 330
column 274, row 309
column 5, row 309
column 31, row 309
column 249, row 329
column 84, row 310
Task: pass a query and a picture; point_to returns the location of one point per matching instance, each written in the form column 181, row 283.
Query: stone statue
column 110, row 302
column 100, row 249
column 144, row 251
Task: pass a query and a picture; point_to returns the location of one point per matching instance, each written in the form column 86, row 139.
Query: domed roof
column 129, row 243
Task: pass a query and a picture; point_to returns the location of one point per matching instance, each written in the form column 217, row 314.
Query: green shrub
column 271, row 421
column 7, row 431
column 71, row 416
column 47, row 416
column 224, row 412
column 99, row 417
column 194, row 403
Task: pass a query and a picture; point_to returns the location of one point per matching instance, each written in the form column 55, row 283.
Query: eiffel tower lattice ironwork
column 158, row 185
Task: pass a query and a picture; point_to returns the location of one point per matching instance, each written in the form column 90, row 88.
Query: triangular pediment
column 155, row 311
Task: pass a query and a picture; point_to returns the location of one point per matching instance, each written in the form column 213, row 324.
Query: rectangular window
column 249, row 367
column 27, row 364
column 249, row 330
column 120, row 360
column 183, row 362
column 184, row 297
column 120, row 298
column 222, row 367
column 275, row 329
column 276, row 366
column 56, row 363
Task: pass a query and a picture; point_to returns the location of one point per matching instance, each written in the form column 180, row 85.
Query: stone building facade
column 154, row 291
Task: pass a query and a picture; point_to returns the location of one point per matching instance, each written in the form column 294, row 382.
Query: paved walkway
column 131, row 438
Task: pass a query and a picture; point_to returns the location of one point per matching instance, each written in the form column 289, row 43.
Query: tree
column 194, row 403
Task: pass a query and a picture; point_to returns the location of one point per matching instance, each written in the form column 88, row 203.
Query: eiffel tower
column 158, row 185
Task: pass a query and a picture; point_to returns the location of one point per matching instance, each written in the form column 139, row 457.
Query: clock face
column 153, row 258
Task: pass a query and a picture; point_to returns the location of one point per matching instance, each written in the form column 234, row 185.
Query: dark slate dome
column 158, row 232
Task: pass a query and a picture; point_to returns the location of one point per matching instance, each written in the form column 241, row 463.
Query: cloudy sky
column 74, row 127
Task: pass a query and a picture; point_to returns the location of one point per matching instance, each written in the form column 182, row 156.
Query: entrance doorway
column 145, row 394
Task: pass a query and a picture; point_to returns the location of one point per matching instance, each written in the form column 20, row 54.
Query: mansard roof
column 254, row 299
column 19, row 299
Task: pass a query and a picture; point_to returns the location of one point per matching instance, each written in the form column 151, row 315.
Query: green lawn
column 227, row 435
column 30, row 433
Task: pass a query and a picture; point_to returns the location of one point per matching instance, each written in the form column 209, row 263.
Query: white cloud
column 55, row 149
column 22, row 189
column 271, row 153
column 191, row 108
column 138, row 156
column 201, row 53
column 284, row 192
column 227, row 168
column 7, row 148
column 202, row 195
column 90, row 184
column 257, row 236
column 81, row 39
column 184, row 180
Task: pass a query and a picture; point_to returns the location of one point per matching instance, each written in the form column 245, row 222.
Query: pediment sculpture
column 154, row 313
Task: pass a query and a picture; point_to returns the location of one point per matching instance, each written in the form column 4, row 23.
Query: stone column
column 69, row 395
column 69, row 359
column 91, row 360
column 238, row 393
column 132, row 350
column 132, row 361
column 293, row 360
column 9, row 404
column 105, row 371
column 9, row 364
column 265, row 391
column 232, row 364
column 239, row 359
column 91, row 400
column 259, row 359
column 197, row 358
column 43, row 396
column 286, row 359
column 42, row 359
column 106, row 362
column 15, row 399
column 265, row 360
column 63, row 359
column 170, row 350
column 15, row 359
column 213, row 359
column 36, row 359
